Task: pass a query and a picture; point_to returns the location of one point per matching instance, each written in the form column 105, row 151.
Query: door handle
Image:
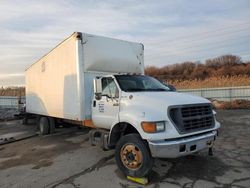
column 94, row 103
column 115, row 104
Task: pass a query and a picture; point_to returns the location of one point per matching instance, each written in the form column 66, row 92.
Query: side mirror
column 97, row 87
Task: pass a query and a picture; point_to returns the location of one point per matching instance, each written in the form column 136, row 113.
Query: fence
column 10, row 101
column 221, row 94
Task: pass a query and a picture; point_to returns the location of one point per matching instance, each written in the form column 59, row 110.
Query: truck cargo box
column 60, row 84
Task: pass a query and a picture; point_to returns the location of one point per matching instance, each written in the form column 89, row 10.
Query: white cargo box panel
column 102, row 54
column 60, row 84
column 51, row 83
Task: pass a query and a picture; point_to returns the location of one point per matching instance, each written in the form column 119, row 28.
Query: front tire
column 133, row 156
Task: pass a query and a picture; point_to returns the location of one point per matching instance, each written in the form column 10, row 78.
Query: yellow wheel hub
column 131, row 156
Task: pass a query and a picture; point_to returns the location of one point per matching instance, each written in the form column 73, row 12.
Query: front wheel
column 133, row 156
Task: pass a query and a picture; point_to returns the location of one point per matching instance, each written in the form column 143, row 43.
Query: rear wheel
column 51, row 125
column 132, row 156
column 44, row 125
column 25, row 121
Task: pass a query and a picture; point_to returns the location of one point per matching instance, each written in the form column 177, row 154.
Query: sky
column 172, row 31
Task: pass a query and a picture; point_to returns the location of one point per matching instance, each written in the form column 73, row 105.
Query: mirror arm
column 98, row 96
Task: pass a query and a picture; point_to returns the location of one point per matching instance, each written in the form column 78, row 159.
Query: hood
column 166, row 98
column 154, row 105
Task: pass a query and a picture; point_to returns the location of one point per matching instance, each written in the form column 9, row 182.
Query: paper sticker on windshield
column 101, row 107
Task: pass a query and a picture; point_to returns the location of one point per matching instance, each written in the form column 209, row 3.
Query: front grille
column 191, row 118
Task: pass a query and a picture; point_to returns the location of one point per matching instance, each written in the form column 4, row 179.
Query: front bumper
column 182, row 146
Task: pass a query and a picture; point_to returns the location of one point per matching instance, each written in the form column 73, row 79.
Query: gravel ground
column 66, row 159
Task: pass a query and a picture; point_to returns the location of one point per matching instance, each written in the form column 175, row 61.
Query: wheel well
column 120, row 130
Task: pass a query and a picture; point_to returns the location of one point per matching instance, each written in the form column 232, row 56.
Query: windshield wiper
column 140, row 89
column 135, row 89
column 158, row 89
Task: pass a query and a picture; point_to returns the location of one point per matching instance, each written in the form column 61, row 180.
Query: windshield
column 136, row 83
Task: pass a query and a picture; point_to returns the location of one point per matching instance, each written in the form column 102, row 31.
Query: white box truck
column 99, row 82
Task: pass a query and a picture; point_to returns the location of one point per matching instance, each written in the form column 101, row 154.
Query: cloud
column 172, row 31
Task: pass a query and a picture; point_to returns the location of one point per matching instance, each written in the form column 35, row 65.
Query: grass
column 212, row 82
column 12, row 91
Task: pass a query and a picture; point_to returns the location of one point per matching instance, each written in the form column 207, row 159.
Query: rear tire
column 133, row 156
column 51, row 125
column 25, row 121
column 44, row 125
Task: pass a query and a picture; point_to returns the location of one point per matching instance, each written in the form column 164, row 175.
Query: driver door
column 105, row 110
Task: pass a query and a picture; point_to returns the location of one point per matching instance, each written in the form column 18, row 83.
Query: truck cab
column 146, row 120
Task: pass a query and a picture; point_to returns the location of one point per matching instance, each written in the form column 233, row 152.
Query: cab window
column 109, row 87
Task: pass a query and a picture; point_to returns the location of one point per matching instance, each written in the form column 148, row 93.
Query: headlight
column 153, row 127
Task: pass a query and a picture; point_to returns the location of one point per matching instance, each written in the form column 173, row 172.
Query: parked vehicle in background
column 99, row 82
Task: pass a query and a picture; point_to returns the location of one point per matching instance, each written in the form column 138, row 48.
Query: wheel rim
column 131, row 156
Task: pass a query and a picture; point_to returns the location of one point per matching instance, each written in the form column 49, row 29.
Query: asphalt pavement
column 66, row 159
